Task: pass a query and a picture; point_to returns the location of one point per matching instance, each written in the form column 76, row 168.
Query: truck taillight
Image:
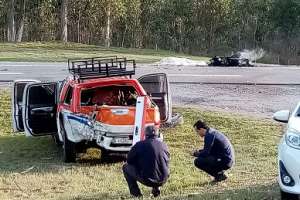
column 156, row 116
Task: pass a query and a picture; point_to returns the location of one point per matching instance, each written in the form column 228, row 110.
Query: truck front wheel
column 69, row 152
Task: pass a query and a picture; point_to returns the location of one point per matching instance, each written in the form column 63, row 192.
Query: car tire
column 69, row 152
column 288, row 196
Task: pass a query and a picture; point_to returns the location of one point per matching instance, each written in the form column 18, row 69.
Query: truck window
column 116, row 95
column 42, row 95
column 69, row 95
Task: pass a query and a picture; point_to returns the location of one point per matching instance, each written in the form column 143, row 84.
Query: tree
column 286, row 21
column 64, row 20
column 21, row 23
column 11, row 28
column 108, row 24
column 113, row 10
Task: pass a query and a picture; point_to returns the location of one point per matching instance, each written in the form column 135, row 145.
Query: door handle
column 41, row 111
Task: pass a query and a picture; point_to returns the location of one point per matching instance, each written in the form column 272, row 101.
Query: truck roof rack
column 101, row 67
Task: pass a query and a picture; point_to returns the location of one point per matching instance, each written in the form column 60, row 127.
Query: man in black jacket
column 217, row 154
column 147, row 163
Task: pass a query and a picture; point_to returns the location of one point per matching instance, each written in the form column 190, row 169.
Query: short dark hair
column 150, row 131
column 200, row 124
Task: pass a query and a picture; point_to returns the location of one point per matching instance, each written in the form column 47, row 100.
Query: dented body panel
column 89, row 112
column 110, row 126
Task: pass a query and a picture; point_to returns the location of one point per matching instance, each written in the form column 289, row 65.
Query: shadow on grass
column 257, row 192
column 20, row 154
column 111, row 159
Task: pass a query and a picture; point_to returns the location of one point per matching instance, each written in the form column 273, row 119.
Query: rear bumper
column 109, row 137
column 109, row 144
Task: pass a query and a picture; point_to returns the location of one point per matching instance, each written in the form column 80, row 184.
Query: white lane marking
column 10, row 73
column 206, row 75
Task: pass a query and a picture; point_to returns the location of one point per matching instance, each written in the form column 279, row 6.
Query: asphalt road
column 257, row 91
column 10, row 71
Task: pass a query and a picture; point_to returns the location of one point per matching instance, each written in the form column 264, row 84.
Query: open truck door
column 17, row 103
column 39, row 108
column 157, row 87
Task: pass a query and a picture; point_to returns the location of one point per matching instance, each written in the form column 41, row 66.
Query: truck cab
column 95, row 107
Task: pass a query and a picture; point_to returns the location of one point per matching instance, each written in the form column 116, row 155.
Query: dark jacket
column 218, row 145
column 151, row 159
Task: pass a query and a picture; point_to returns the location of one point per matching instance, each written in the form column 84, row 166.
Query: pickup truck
column 93, row 107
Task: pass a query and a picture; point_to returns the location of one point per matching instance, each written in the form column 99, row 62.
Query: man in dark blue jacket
column 147, row 163
column 217, row 154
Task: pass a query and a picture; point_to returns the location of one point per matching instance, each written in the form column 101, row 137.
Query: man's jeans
column 212, row 165
column 131, row 175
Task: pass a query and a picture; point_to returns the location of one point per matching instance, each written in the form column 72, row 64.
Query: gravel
column 261, row 101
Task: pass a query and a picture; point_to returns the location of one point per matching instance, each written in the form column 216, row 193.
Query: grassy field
column 61, row 52
column 32, row 168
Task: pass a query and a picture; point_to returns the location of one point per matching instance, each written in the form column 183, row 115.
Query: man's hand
column 195, row 153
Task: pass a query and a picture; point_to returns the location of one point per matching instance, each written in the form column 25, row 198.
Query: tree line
column 190, row 26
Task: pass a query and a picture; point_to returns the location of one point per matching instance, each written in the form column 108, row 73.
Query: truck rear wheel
column 104, row 155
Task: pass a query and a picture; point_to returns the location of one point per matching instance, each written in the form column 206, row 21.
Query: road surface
column 10, row 71
column 247, row 90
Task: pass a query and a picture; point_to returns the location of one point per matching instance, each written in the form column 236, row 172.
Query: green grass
column 31, row 168
column 61, row 52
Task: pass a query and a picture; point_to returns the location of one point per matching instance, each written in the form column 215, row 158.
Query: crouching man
column 217, row 154
column 147, row 163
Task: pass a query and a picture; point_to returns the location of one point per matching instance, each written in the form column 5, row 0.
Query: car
column 93, row 107
column 289, row 153
column 233, row 60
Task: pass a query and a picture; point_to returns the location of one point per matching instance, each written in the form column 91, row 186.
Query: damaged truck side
column 95, row 107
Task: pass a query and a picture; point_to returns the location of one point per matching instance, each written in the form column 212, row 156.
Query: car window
column 19, row 95
column 154, row 84
column 44, row 93
column 69, row 95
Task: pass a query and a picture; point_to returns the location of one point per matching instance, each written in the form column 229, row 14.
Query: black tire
column 69, row 152
column 104, row 155
column 288, row 196
column 80, row 147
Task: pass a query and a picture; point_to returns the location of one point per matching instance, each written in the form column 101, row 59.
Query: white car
column 289, row 153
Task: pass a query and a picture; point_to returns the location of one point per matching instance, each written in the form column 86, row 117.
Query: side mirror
column 282, row 116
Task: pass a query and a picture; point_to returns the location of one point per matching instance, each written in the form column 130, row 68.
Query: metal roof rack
column 101, row 67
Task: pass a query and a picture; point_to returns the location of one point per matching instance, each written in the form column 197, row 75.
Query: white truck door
column 16, row 103
column 139, row 122
column 157, row 87
column 39, row 109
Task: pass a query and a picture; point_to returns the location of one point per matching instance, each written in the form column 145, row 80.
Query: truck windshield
column 116, row 95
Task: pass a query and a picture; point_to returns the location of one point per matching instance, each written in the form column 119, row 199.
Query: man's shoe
column 155, row 191
column 220, row 177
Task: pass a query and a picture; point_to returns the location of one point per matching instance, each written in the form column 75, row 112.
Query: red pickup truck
column 94, row 107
